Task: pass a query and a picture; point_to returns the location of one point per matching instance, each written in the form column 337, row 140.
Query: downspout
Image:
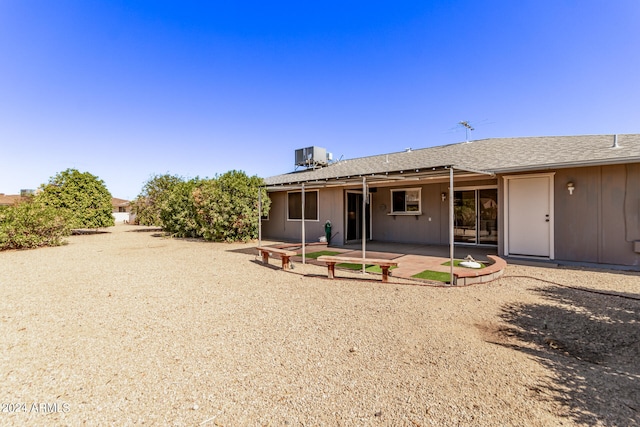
column 451, row 248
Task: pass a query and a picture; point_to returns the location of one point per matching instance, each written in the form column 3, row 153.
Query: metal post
column 451, row 247
column 259, row 216
column 304, row 261
column 364, row 222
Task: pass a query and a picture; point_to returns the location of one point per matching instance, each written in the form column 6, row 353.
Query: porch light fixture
column 570, row 187
column 444, row 196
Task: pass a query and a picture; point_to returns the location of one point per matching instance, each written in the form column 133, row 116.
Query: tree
column 228, row 206
column 148, row 204
column 178, row 213
column 224, row 208
column 82, row 197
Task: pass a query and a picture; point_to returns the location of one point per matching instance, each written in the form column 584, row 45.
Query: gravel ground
column 131, row 328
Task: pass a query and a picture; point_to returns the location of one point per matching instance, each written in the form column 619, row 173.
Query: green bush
column 228, row 207
column 31, row 225
column 178, row 213
column 82, row 196
column 148, row 204
column 224, row 208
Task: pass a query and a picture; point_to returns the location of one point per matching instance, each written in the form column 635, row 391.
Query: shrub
column 178, row 213
column 224, row 208
column 228, row 206
column 31, row 225
column 148, row 204
column 83, row 197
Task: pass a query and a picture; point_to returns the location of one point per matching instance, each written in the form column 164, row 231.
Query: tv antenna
column 467, row 128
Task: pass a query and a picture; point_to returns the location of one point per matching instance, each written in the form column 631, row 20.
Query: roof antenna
column 467, row 129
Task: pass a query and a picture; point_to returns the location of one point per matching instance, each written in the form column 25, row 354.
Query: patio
column 412, row 258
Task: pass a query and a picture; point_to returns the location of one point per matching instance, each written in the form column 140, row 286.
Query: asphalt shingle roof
column 494, row 155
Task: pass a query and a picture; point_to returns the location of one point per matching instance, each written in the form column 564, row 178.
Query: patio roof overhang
column 439, row 172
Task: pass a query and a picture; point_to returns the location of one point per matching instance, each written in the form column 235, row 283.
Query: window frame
column 405, row 211
column 307, row 192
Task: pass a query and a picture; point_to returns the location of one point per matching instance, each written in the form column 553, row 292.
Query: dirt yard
column 130, row 327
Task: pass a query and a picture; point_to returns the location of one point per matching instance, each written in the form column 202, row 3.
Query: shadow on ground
column 78, row 232
column 145, row 230
column 590, row 342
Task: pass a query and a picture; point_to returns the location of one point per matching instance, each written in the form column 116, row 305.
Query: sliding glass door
column 476, row 216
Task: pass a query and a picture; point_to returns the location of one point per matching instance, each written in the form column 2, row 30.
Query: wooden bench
column 284, row 255
column 331, row 262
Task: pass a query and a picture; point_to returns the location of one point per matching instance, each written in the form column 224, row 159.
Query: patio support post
column 259, row 216
column 364, row 222
column 303, row 234
column 451, row 221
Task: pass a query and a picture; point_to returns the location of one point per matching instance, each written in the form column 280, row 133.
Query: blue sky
column 128, row 89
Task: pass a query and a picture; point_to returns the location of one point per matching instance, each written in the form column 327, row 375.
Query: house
column 9, row 199
column 571, row 199
column 121, row 210
column 12, row 199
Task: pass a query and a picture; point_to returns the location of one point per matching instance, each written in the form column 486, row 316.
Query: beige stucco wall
column 278, row 227
column 428, row 228
column 431, row 228
column 600, row 221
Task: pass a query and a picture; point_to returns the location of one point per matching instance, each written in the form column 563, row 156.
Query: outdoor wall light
column 444, row 196
column 570, row 187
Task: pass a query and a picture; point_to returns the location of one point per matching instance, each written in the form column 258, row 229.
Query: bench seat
column 284, row 254
column 331, row 262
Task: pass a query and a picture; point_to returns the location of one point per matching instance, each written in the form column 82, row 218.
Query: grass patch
column 378, row 269
column 436, row 276
column 315, row 255
column 456, row 263
column 353, row 266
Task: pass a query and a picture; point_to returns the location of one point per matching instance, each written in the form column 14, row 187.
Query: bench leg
column 385, row 273
column 331, row 267
column 285, row 262
column 265, row 257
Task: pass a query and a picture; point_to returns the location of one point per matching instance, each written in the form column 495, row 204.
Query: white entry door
column 529, row 215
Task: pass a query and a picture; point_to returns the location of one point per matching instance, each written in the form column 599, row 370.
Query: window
column 406, row 201
column 294, row 205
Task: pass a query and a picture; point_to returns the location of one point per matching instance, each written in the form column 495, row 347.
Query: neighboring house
column 10, row 199
column 572, row 199
column 121, row 211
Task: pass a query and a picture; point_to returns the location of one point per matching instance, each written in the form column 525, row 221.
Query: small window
column 294, row 205
column 406, row 201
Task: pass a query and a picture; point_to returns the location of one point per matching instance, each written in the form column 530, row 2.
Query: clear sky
column 125, row 89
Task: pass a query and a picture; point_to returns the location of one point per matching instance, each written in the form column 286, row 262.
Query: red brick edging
column 483, row 275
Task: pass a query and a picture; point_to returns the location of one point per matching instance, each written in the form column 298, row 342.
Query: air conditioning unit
column 311, row 157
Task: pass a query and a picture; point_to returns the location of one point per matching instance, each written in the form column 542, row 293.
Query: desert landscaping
column 131, row 327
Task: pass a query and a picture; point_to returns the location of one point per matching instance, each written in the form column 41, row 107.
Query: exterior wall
column 600, row 221
column 330, row 205
column 122, row 217
column 430, row 228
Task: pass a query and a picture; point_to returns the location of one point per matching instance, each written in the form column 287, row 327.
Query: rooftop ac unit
column 311, row 157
